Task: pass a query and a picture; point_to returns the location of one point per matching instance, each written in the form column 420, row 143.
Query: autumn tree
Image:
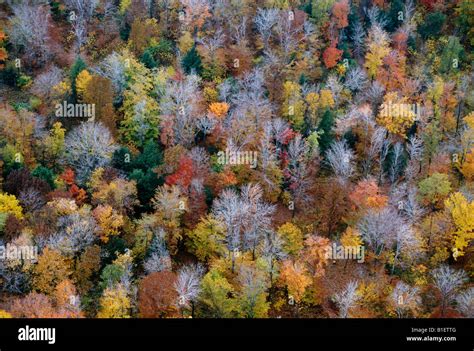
column 293, row 106
column 33, row 305
column 394, row 116
column 340, row 10
column 114, row 303
column 294, row 276
column 378, row 43
column 10, row 205
column 215, row 297
column 253, row 297
column 157, row 297
column 205, row 241
column 52, row 269
column 292, row 237
column 98, row 92
column 434, row 189
column 367, row 194
column 461, row 211
column 86, row 266
column 331, row 56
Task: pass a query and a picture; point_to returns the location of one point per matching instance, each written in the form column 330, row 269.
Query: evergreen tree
column 192, row 62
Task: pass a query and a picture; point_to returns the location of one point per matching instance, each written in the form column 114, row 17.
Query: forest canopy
column 249, row 159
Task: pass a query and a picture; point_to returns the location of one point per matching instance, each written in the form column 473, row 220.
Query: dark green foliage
column 431, row 27
column 78, row 66
column 451, row 55
column 9, row 75
column 160, row 54
column 45, row 174
column 326, row 126
column 394, row 21
column 111, row 275
column 114, row 246
column 122, row 159
column 140, row 168
column 192, row 62
column 147, row 59
column 351, row 139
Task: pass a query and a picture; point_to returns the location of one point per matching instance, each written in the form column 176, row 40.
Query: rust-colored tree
column 157, row 297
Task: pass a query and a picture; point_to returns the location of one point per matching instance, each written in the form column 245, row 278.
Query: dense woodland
column 358, row 117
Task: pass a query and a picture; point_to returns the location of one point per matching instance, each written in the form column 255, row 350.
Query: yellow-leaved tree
column 292, row 237
column 378, row 48
column 293, row 107
column 462, row 213
column 10, row 205
column 52, row 269
column 351, row 237
column 396, row 114
column 82, row 80
column 114, row 303
column 110, row 222
column 467, row 166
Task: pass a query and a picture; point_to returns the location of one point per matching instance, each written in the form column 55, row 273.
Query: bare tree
column 448, row 281
column 159, row 258
column 231, row 210
column 14, row 279
column 405, row 299
column 29, row 30
column 374, row 94
column 180, row 104
column 239, row 31
column 211, row 44
column 376, row 17
column 44, row 82
column 188, row 286
column 31, row 199
column 384, row 150
column 358, row 39
column 113, row 68
column 341, row 160
column 82, row 8
column 88, row 147
column 170, row 202
column 297, row 170
column 287, row 32
column 396, row 162
column 272, row 251
column 356, row 79
column 415, row 154
column 259, row 216
column 465, row 303
column 250, row 102
column 264, row 21
column 74, row 233
column 405, row 199
column 379, row 229
column 347, row 299
column 334, row 85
